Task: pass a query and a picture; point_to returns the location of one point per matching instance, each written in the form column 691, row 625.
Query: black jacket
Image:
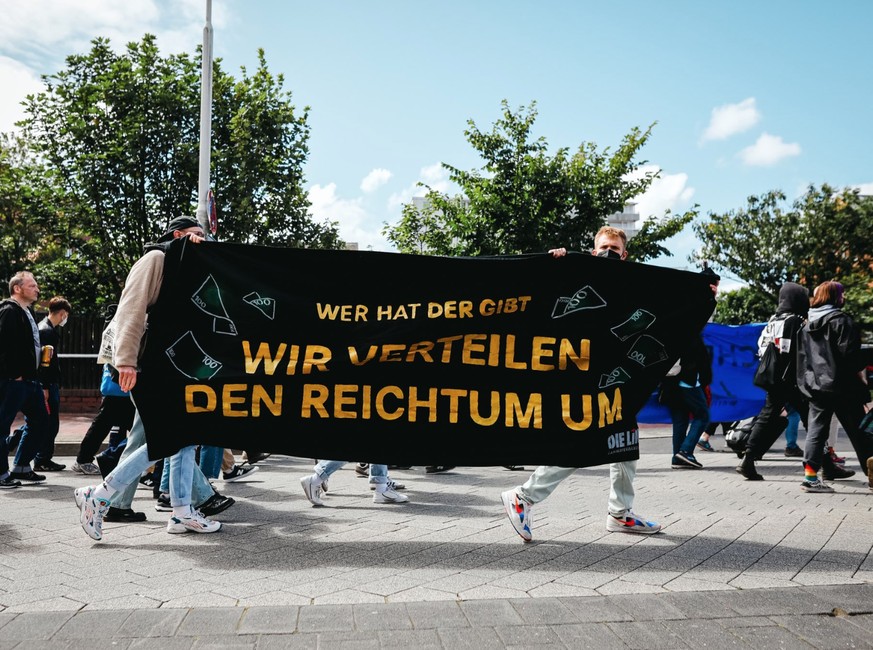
column 48, row 335
column 829, row 357
column 17, row 353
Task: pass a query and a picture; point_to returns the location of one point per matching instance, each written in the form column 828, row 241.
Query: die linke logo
column 621, row 441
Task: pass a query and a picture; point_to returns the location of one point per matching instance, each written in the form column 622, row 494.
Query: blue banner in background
column 734, row 396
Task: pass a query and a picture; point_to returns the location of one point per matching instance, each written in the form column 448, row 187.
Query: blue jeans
column 210, row 460
column 201, row 489
column 690, row 401
column 378, row 473
column 793, row 423
column 26, row 397
column 135, row 460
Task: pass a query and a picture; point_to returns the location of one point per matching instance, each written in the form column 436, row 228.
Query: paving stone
column 436, row 615
column 148, row 623
column 597, row 609
column 544, row 611
column 381, row 616
column 593, row 636
column 365, row 640
column 477, row 638
column 326, row 618
column 647, row 634
column 644, row 607
column 405, row 639
column 210, row 621
column 288, row 642
column 224, row 643
column 525, row 636
column 34, row 626
column 825, row 631
column 88, row 625
column 490, row 613
column 268, row 620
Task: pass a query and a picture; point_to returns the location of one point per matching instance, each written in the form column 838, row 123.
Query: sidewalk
column 739, row 564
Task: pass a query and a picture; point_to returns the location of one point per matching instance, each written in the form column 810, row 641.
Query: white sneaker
column 392, row 485
column 312, row 489
column 389, row 496
column 85, row 468
column 195, row 523
column 518, row 511
column 91, row 511
column 630, row 522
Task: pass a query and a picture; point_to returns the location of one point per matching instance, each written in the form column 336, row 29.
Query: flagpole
column 205, row 120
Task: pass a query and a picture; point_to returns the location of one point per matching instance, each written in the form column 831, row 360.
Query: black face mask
column 611, row 254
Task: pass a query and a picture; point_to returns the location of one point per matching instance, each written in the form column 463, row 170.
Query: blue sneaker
column 684, row 458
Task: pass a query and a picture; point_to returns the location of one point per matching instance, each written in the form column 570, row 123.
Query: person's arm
column 558, row 252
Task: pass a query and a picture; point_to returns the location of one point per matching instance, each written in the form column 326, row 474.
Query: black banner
column 410, row 360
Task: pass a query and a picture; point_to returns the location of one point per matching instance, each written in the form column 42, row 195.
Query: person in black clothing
column 831, row 374
column 20, row 391
column 782, row 330
column 683, row 394
column 50, row 378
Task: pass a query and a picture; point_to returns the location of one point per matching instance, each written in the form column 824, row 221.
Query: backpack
column 772, row 333
column 738, row 435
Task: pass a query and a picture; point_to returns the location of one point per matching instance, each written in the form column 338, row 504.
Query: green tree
column 744, row 305
column 120, row 134
column 524, row 199
column 824, row 235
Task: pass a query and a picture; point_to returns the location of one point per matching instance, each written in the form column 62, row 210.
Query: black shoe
column 436, row 469
column 836, row 472
column 362, row 469
column 163, row 503
column 9, row 483
column 215, row 504
column 123, row 515
column 28, row 477
column 684, row 458
column 48, row 466
column 514, row 468
column 794, row 452
column 253, row 457
column 399, row 466
column 747, row 469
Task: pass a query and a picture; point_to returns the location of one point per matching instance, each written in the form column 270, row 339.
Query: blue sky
column 747, row 96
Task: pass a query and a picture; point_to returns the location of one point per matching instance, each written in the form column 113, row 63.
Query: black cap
column 179, row 223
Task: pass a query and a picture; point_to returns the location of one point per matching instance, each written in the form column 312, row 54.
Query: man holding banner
column 610, row 243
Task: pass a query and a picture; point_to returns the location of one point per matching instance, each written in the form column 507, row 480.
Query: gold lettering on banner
column 576, row 425
column 609, row 413
column 516, row 415
column 191, row 393
column 261, row 396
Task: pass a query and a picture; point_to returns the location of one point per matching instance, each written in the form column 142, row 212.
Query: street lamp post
column 205, row 121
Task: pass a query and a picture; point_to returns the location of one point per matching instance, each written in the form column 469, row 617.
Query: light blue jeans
column 324, row 468
column 201, row 489
column 135, row 460
column 546, row 478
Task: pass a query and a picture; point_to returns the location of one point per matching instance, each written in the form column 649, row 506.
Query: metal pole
column 205, row 120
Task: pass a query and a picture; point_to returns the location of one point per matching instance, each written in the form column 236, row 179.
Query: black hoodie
column 829, row 356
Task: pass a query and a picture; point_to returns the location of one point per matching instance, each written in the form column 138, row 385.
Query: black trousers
column 767, row 428
column 114, row 411
column 822, row 408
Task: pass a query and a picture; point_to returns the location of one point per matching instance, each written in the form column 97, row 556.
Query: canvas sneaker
column 312, row 489
column 85, row 468
column 392, row 485
column 193, row 523
column 237, row 472
column 518, row 511
column 91, row 511
column 684, row 458
column 389, row 496
column 815, row 486
column 630, row 522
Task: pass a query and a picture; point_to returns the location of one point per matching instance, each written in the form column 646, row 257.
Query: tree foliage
column 525, row 199
column 119, row 134
column 824, row 235
column 744, row 305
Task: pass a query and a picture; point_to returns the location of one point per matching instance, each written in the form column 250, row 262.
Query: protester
column 609, row 242
column 20, row 390
column 683, row 394
column 385, row 489
column 122, row 341
column 831, row 373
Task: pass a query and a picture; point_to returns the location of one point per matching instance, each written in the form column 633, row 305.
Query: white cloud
column 864, row 188
column 14, row 75
column 667, row 192
column 730, row 119
column 769, row 150
column 375, row 179
column 36, row 36
column 355, row 222
column 435, row 176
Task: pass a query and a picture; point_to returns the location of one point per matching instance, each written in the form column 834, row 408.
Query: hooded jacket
column 829, row 355
column 783, row 330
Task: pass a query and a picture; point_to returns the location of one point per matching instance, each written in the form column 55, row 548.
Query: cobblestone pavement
column 739, row 564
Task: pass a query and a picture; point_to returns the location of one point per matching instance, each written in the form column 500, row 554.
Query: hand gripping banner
column 411, row 360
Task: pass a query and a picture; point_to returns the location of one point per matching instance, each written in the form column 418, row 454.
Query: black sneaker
column 9, row 483
column 362, row 469
column 683, row 457
column 215, row 504
column 794, row 452
column 237, row 472
column 48, row 466
column 435, row 469
column 163, row 503
column 28, row 477
column 123, row 515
